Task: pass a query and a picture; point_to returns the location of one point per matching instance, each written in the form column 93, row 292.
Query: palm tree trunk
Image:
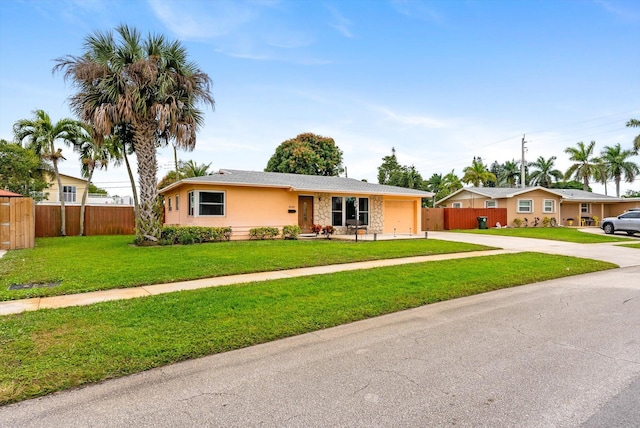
column 133, row 183
column 148, row 225
column 84, row 201
column 618, row 177
column 585, row 183
column 63, row 225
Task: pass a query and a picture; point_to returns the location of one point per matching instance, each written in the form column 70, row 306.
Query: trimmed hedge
column 263, row 232
column 291, row 232
column 193, row 234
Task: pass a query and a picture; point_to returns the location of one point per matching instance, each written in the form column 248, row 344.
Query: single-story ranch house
column 565, row 205
column 248, row 199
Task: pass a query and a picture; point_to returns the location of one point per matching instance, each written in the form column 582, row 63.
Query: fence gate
column 17, row 223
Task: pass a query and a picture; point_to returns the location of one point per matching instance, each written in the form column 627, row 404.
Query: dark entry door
column 305, row 213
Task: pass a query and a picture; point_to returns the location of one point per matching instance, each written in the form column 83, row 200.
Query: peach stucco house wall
column 248, row 199
column 565, row 205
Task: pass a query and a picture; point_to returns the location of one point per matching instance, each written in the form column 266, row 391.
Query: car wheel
column 608, row 228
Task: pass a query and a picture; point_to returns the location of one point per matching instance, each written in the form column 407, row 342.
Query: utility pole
column 523, row 184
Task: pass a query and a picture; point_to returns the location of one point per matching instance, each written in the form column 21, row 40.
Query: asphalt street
column 561, row 353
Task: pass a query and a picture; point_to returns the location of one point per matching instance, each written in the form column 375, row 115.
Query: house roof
column 509, row 192
column 8, row 194
column 297, row 182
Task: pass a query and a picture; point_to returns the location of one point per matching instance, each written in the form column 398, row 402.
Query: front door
column 305, row 213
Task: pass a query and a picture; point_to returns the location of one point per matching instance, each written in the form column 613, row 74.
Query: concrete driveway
column 562, row 353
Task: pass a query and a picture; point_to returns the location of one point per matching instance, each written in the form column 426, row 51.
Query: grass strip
column 551, row 233
column 82, row 264
column 51, row 350
column 630, row 245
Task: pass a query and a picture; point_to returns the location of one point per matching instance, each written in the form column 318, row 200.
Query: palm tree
column 41, row 135
column 635, row 123
column 545, row 173
column 601, row 174
column 148, row 86
column 451, row 182
column 192, row 169
column 92, row 155
column 617, row 165
column 510, row 173
column 584, row 165
column 477, row 173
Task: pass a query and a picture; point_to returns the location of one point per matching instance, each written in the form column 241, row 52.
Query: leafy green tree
column 21, row 170
column 584, row 163
column 170, row 178
column 572, row 184
column 477, row 173
column 635, row 123
column 617, row 164
column 307, row 154
column 544, row 173
column 41, row 134
column 393, row 174
column 632, row 194
column 601, row 174
column 146, row 86
column 95, row 190
column 390, row 171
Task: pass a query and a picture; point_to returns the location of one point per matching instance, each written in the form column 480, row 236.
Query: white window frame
column 585, row 208
column 492, row 202
column 169, row 204
column 177, row 201
column 519, row 207
column 194, row 202
column 456, row 204
column 69, row 193
column 363, row 215
column 552, row 209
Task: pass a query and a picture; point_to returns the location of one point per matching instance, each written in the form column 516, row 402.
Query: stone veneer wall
column 322, row 213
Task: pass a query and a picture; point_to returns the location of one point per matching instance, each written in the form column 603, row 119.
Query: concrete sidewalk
column 17, row 306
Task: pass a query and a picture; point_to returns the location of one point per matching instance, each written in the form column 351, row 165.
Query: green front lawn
column 552, row 233
column 631, row 245
column 81, row 264
column 51, row 350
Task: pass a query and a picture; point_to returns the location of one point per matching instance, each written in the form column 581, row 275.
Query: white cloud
column 422, row 121
column 340, row 23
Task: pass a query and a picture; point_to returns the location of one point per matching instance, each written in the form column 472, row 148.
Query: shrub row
column 288, row 232
column 193, row 234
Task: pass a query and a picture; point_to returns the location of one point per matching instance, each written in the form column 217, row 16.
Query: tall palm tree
column 92, row 156
column 584, row 163
column 477, row 173
column 635, row 123
column 510, row 173
column 617, row 164
column 148, row 86
column 544, row 174
column 601, row 174
column 41, row 135
column 192, row 169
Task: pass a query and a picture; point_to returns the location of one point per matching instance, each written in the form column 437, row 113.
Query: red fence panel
column 467, row 218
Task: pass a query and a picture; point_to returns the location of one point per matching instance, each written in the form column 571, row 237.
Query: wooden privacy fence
column 17, row 223
column 461, row 218
column 98, row 220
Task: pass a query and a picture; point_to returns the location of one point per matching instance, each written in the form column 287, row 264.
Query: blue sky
column 441, row 81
